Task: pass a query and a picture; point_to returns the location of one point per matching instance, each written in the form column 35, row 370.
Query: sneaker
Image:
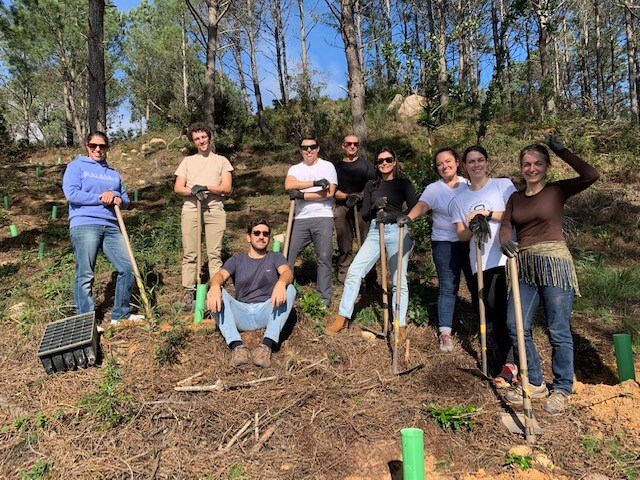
column 99, row 329
column 446, row 342
column 261, row 356
column 508, row 376
column 240, row 356
column 556, row 403
column 187, row 301
column 515, row 395
column 132, row 318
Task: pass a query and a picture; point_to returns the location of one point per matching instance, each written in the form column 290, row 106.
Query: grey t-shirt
column 254, row 278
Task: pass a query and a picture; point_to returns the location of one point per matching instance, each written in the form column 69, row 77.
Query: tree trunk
column 278, row 32
column 185, row 76
column 210, row 71
column 600, row 105
column 443, row 85
column 96, row 75
column 631, row 63
column 262, row 122
column 68, row 116
column 306, row 78
column 237, row 56
column 543, row 40
column 356, row 81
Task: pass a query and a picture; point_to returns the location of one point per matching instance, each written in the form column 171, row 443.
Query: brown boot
column 339, row 324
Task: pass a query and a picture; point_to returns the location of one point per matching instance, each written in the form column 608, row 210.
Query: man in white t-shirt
column 312, row 184
column 205, row 176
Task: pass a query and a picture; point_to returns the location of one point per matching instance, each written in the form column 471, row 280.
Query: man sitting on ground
column 264, row 296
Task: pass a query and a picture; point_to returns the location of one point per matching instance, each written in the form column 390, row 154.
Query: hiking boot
column 507, row 377
column 187, row 301
column 339, row 324
column 240, row 356
column 261, row 356
column 446, row 342
column 514, row 396
column 556, row 403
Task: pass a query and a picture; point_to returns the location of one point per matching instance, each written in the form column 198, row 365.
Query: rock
column 370, row 337
column 542, row 460
column 395, row 103
column 157, row 140
column 133, row 150
column 144, row 148
column 184, row 150
column 595, row 476
column 411, row 107
column 521, row 451
column 16, row 311
column 241, row 166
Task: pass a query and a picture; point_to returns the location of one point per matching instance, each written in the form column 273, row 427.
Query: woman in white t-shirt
column 477, row 213
column 450, row 255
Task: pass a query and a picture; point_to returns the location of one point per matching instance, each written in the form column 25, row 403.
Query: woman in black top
column 384, row 202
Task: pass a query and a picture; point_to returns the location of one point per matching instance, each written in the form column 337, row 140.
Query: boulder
column 411, row 107
column 395, row 103
column 157, row 140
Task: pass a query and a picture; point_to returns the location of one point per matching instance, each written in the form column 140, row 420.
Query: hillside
column 328, row 407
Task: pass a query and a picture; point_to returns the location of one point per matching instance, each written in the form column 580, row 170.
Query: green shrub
column 454, row 418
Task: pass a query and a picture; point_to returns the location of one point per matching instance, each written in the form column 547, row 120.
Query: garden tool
column 357, row 224
column 287, row 236
column 481, row 308
column 396, row 317
column 143, row 294
column 385, row 293
column 519, row 423
column 201, row 290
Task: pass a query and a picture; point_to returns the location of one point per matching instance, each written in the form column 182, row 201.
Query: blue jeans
column 557, row 304
column 450, row 259
column 236, row 317
column 366, row 260
column 87, row 240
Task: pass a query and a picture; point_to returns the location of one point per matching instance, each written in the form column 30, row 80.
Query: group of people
column 472, row 215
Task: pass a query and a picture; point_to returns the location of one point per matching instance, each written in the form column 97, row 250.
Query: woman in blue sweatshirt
column 92, row 188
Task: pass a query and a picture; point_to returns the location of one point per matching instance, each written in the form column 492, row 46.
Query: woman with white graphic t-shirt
column 477, row 213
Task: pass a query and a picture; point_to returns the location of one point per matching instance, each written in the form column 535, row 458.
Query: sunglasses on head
column 309, row 147
column 264, row 233
column 381, row 160
column 351, row 144
column 94, row 146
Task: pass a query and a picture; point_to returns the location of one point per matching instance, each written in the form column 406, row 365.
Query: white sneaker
column 133, row 318
column 99, row 329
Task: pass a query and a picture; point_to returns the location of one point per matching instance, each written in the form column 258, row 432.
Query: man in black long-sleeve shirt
column 353, row 172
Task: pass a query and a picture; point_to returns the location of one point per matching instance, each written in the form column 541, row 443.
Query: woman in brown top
column 545, row 266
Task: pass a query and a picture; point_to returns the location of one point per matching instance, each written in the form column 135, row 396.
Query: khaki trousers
column 214, row 223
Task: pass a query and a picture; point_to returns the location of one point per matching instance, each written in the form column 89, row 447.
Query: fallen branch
column 216, row 387
column 263, row 439
column 189, row 380
column 235, row 438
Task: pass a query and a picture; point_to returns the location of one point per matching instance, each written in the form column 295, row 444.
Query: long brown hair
column 396, row 167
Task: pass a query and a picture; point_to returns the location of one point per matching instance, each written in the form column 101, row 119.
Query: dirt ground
column 327, row 408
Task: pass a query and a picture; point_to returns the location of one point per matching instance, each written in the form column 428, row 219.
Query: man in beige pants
column 207, row 177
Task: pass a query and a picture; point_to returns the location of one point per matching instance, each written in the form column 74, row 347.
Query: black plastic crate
column 69, row 343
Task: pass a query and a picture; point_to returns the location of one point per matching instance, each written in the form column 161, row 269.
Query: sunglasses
column 351, row 144
column 264, row 233
column 381, row 160
column 94, row 146
column 308, row 147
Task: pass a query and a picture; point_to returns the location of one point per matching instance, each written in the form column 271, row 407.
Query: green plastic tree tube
column 14, row 230
column 624, row 356
column 412, row 453
column 59, row 160
column 41, row 251
column 201, row 295
column 37, row 171
column 54, row 212
column 276, row 245
column 135, row 195
column 6, row 201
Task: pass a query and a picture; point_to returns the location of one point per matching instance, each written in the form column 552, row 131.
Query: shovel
column 396, row 317
column 132, row 258
column 481, row 308
column 385, row 294
column 201, row 290
column 357, row 224
column 287, row 236
column 521, row 423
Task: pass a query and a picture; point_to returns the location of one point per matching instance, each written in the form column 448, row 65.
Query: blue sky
column 324, row 51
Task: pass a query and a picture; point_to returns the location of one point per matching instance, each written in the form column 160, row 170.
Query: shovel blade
column 515, row 423
column 475, row 372
column 408, row 370
column 380, row 335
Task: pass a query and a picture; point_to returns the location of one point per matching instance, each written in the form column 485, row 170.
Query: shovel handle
column 134, row 264
column 356, row 220
column 385, row 292
column 481, row 308
column 199, row 255
column 396, row 316
column 529, row 431
column 287, row 236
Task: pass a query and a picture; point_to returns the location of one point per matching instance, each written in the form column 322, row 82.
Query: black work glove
column 323, row 182
column 379, row 204
column 554, row 141
column 510, row 248
column 402, row 220
column 200, row 191
column 295, row 194
column 479, row 225
column 352, row 199
column 385, row 217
